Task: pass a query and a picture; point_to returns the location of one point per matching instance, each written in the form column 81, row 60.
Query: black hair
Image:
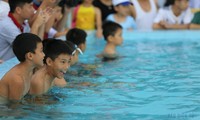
column 55, row 47
column 62, row 5
column 71, row 3
column 169, row 2
column 76, row 36
column 25, row 43
column 17, row 3
column 110, row 28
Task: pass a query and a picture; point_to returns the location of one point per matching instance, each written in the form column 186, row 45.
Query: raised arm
column 98, row 22
column 38, row 26
column 61, row 24
column 132, row 11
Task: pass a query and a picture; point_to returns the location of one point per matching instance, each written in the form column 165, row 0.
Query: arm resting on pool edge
column 59, row 82
column 164, row 25
column 194, row 26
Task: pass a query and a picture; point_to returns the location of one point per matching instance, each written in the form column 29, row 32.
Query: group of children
column 44, row 63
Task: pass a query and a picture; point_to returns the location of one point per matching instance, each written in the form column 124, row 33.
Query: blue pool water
column 157, row 77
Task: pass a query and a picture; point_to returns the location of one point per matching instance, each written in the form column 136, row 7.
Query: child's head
column 87, row 1
column 28, row 46
column 52, row 3
column 181, row 4
column 121, row 7
column 24, row 8
column 58, row 56
column 78, row 37
column 58, row 12
column 112, row 32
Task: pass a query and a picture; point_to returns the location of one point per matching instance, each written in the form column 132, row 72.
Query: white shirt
column 167, row 15
column 4, row 9
column 8, row 32
column 52, row 32
column 194, row 3
column 144, row 20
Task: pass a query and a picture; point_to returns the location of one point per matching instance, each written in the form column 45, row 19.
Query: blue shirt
column 129, row 23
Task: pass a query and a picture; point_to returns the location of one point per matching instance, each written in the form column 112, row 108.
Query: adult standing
column 105, row 6
column 144, row 12
column 4, row 8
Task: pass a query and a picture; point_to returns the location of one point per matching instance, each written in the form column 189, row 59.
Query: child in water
column 57, row 60
column 78, row 37
column 15, row 84
column 112, row 33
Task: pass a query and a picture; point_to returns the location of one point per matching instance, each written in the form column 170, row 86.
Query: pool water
column 155, row 78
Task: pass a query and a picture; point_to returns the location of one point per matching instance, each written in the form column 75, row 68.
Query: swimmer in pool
column 112, row 33
column 57, row 60
column 15, row 84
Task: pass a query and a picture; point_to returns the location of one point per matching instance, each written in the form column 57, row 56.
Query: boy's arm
column 159, row 20
column 1, row 61
column 36, row 87
column 174, row 26
column 132, row 11
column 61, row 24
column 156, row 3
column 15, row 89
column 59, row 82
column 38, row 26
column 157, row 26
column 98, row 22
column 194, row 26
column 62, row 33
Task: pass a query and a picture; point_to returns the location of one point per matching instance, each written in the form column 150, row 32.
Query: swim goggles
column 77, row 49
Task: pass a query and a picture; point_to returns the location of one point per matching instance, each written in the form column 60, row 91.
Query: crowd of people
column 29, row 30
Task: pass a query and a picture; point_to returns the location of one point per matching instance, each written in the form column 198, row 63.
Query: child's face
column 117, row 38
column 60, row 65
column 122, row 10
column 88, row 1
column 74, row 59
column 38, row 56
column 183, row 4
column 58, row 13
column 83, row 47
column 26, row 11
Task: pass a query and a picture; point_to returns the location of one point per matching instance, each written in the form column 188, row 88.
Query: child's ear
column 115, row 8
column 49, row 61
column 29, row 55
column 82, row 46
column 18, row 10
column 110, row 38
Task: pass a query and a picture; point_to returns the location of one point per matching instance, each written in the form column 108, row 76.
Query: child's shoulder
column 13, row 77
column 109, row 55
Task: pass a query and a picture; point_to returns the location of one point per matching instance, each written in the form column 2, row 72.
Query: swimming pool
column 157, row 77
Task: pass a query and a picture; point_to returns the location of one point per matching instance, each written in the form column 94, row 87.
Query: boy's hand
column 165, row 25
column 1, row 61
column 99, row 33
column 47, row 13
column 43, row 16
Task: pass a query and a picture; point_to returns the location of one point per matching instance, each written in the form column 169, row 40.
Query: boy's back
column 16, row 80
column 15, row 83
